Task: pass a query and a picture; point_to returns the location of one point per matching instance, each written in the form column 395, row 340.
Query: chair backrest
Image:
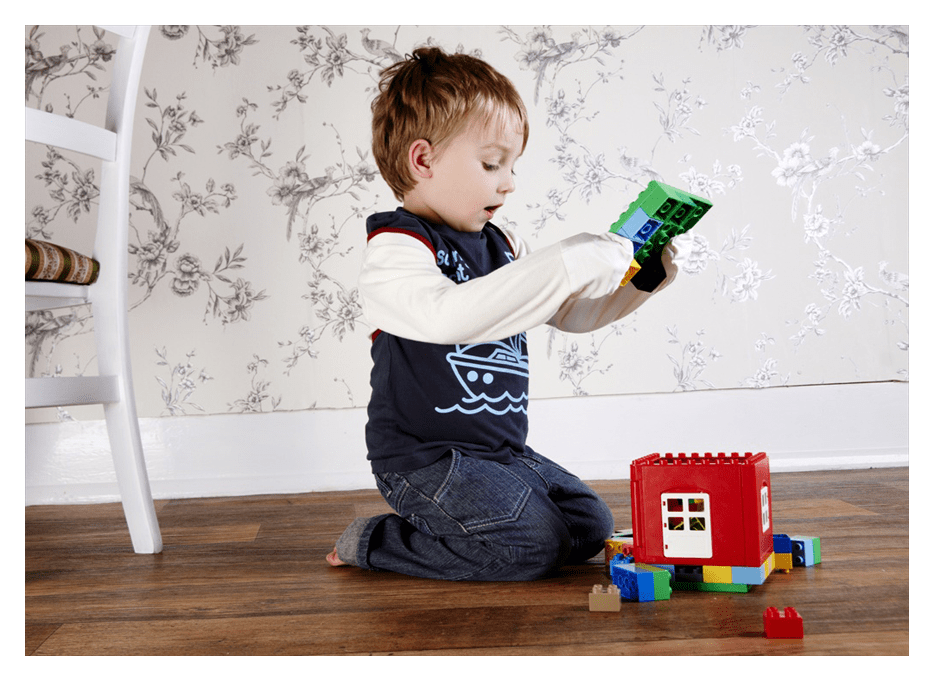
column 111, row 143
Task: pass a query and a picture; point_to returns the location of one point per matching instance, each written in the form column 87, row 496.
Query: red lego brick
column 702, row 509
column 782, row 625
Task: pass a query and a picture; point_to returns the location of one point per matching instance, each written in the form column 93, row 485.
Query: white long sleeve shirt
column 572, row 285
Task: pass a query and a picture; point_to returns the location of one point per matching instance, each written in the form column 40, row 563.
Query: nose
column 508, row 184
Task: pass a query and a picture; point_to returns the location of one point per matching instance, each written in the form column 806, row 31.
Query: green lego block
column 710, row 586
column 662, row 579
column 659, row 214
column 657, row 200
column 700, row 207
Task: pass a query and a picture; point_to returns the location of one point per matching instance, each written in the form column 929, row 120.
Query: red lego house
column 701, row 509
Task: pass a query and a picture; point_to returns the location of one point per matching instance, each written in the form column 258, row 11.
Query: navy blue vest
column 428, row 398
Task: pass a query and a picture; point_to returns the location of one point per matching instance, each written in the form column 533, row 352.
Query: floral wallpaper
column 252, row 178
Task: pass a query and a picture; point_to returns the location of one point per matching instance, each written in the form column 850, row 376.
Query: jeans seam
column 438, row 509
column 456, row 458
column 534, row 468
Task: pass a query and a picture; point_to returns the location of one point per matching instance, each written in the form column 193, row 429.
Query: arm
column 580, row 316
column 404, row 292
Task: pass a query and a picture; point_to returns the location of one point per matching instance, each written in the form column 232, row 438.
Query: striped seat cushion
column 50, row 262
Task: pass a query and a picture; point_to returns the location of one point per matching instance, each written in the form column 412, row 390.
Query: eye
column 490, row 166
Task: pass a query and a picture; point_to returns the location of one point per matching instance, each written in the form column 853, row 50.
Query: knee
column 590, row 538
column 547, row 552
column 603, row 525
column 556, row 543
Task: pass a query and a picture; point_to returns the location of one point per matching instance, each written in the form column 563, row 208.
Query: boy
column 452, row 296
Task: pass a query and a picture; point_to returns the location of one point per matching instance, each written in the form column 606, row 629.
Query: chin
column 472, row 226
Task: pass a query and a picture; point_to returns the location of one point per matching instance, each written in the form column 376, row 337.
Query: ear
column 421, row 154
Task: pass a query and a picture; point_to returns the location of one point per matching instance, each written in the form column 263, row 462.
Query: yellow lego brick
column 769, row 564
column 631, row 272
column 615, row 545
column 783, row 561
column 714, row 574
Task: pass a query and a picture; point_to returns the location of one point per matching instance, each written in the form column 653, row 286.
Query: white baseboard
column 801, row 428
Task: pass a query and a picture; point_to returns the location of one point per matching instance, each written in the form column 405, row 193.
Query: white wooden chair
column 113, row 388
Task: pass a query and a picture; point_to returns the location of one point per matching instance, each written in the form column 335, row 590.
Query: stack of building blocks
column 640, row 582
column 619, row 543
column 732, row 578
column 706, row 521
column 788, row 552
column 605, row 598
column 702, row 509
column 783, row 557
column 782, row 625
column 805, row 551
column 658, row 214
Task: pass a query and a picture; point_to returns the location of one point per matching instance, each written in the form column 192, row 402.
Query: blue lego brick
column 805, row 551
column 640, row 582
column 781, row 543
column 633, row 584
column 749, row 575
column 639, row 228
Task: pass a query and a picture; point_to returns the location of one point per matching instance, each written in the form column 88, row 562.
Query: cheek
column 466, row 181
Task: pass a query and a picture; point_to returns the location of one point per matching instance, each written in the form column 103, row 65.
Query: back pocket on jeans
column 477, row 493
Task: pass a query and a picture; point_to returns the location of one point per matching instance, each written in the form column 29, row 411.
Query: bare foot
column 333, row 560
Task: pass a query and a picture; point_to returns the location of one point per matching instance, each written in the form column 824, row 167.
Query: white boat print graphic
column 483, row 370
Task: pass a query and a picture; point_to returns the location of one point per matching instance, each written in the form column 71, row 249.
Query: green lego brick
column 662, row 584
column 708, row 586
column 682, row 218
column 700, row 207
column 658, row 201
column 676, row 210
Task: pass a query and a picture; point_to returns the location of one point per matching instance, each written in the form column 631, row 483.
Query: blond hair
column 432, row 95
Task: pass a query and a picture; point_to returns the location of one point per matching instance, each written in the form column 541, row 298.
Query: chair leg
column 132, row 477
column 113, row 359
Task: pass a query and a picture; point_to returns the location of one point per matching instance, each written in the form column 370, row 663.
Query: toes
column 334, row 560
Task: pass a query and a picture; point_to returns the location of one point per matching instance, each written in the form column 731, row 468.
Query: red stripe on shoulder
column 397, row 230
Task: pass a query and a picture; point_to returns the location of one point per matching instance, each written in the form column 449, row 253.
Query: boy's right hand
column 596, row 263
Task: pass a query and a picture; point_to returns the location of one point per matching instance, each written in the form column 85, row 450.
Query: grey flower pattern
column 252, row 180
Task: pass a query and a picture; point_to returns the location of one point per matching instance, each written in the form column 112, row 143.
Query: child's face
column 471, row 175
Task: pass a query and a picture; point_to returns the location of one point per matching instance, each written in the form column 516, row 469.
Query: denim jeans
column 465, row 518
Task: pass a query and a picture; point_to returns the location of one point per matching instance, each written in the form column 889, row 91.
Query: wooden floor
column 247, row 576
